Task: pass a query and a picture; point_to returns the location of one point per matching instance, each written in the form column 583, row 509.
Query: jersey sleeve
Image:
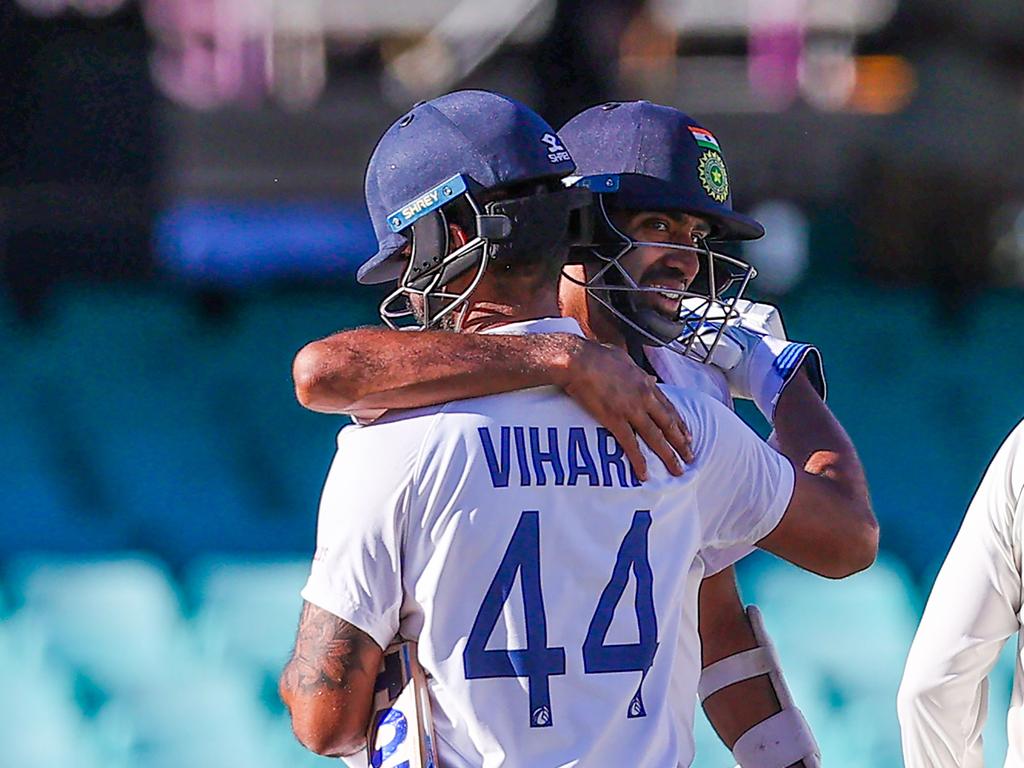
column 743, row 486
column 356, row 572
column 717, row 560
column 971, row 612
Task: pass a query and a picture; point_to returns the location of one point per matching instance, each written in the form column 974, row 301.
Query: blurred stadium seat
column 205, row 719
column 39, row 506
column 43, row 502
column 285, row 449
column 40, row 724
column 144, row 431
column 245, row 619
column 111, row 446
column 246, row 615
column 903, row 379
column 115, row 620
column 107, row 635
column 999, row 693
column 289, row 753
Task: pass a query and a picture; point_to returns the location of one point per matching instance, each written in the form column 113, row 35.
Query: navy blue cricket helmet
column 460, row 149
column 639, row 156
column 664, row 160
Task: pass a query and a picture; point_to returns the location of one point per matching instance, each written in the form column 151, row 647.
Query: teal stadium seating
column 44, row 502
column 246, row 615
column 40, row 724
column 843, row 645
column 177, row 689
column 131, row 422
column 203, row 719
column 117, row 622
column 102, row 668
column 135, row 397
column 926, row 396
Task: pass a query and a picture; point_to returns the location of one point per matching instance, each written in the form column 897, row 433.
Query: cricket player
column 974, row 607
column 506, row 534
column 668, row 203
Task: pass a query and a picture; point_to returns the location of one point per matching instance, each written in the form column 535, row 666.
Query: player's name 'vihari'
column 555, row 456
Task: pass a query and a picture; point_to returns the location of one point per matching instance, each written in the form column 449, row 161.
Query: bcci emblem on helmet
column 713, row 176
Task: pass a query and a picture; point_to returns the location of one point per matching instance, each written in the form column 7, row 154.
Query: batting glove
column 758, row 360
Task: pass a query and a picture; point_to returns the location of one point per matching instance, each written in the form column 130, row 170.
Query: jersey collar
column 540, row 325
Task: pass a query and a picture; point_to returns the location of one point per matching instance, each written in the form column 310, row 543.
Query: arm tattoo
column 328, row 653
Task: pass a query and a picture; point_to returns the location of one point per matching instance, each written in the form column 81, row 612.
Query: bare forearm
column 328, row 683
column 844, row 528
column 307, row 694
column 809, row 435
column 378, row 368
column 367, row 371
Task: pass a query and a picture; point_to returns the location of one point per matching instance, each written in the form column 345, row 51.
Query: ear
column 457, row 237
column 572, row 297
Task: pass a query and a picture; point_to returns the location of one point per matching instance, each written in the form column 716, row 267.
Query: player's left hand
column 606, row 383
column 759, row 361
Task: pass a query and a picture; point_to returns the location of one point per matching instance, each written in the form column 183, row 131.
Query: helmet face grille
column 705, row 306
column 512, row 229
column 421, row 300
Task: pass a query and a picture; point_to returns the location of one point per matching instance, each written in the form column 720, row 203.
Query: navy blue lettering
column 580, row 461
column 524, row 465
column 499, row 469
column 550, row 456
column 611, row 455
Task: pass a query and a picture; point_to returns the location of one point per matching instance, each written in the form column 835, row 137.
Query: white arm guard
column 782, row 739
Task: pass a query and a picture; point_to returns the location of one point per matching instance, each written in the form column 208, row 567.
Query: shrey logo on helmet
column 557, row 153
column 435, row 198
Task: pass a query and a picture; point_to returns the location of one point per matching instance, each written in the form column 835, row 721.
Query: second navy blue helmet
column 477, row 159
column 489, row 140
column 638, row 156
column 665, row 160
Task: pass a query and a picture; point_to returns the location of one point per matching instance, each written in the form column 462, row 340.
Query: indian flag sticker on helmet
column 713, row 176
column 704, row 138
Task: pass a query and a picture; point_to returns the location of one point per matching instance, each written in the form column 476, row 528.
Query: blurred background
column 180, row 210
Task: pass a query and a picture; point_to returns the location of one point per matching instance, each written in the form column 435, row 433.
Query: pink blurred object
column 773, row 65
column 775, row 48
column 211, row 52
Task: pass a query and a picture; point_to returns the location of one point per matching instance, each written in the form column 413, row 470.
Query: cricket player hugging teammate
column 546, row 567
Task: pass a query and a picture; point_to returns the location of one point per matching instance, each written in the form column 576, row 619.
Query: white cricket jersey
column 680, row 371
column 544, row 584
column 974, row 607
